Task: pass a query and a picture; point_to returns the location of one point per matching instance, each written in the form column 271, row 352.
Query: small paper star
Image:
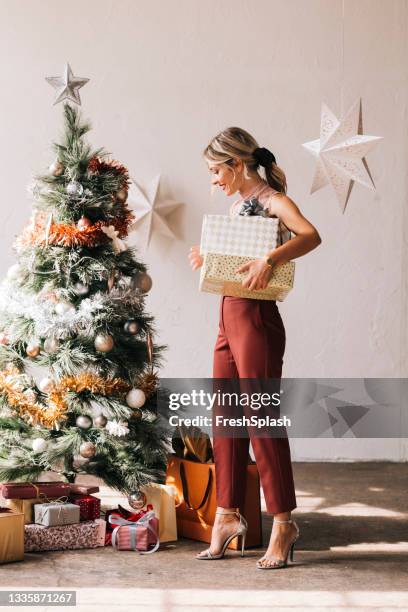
column 150, row 211
column 340, row 153
column 67, row 86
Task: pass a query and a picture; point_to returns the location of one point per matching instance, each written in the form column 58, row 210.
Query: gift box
column 26, row 506
column 218, row 275
column 29, row 490
column 83, row 489
column 11, row 536
column 89, row 506
column 229, row 242
column 140, row 535
column 90, row 534
column 247, row 236
column 52, row 514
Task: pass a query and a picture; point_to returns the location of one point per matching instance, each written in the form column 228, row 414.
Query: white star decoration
column 67, row 86
column 340, row 153
column 150, row 211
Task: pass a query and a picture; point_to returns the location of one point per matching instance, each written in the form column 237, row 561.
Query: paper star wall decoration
column 340, row 153
column 67, row 86
column 150, row 210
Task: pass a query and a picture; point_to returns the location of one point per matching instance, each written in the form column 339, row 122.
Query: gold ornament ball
column 122, row 195
column 100, row 421
column 32, row 350
column 83, row 223
column 56, row 168
column 137, row 500
column 87, row 450
column 103, row 343
column 135, row 398
column 141, row 281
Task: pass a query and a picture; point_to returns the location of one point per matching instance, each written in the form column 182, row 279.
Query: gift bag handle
column 185, row 488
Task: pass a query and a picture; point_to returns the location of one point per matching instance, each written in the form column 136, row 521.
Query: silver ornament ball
column 51, row 345
column 83, row 421
column 103, row 343
column 74, row 188
column 131, row 327
column 135, row 398
column 137, row 500
column 46, row 384
column 32, row 349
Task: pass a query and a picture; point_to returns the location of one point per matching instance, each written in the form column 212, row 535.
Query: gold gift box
column 218, row 276
column 11, row 536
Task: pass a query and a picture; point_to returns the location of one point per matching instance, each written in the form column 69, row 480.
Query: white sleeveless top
column 263, row 194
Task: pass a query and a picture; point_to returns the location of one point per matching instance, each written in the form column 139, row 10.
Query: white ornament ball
column 56, row 168
column 46, row 384
column 62, row 307
column 13, row 272
column 74, row 188
column 51, row 345
column 103, row 343
column 135, row 398
column 39, row 445
column 83, row 223
column 83, row 421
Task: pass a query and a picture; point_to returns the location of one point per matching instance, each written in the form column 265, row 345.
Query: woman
column 251, row 343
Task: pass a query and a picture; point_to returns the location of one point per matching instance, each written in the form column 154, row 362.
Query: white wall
column 166, row 75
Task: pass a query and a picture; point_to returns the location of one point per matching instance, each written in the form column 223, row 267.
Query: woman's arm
column 306, row 239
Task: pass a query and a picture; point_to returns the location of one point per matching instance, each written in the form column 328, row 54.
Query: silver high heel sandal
column 241, row 531
column 279, row 563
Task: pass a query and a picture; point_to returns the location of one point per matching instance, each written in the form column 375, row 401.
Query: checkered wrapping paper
column 239, row 235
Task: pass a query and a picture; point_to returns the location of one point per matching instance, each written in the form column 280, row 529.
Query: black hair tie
column 264, row 157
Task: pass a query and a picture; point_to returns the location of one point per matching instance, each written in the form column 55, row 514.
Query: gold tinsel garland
column 50, row 415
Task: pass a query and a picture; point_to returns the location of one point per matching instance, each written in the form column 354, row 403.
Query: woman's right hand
column 196, row 260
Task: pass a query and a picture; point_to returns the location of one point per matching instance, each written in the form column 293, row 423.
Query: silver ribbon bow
column 143, row 521
column 252, row 207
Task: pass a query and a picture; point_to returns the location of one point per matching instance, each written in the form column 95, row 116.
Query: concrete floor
column 352, row 555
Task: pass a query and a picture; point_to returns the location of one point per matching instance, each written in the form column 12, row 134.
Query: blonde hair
column 235, row 143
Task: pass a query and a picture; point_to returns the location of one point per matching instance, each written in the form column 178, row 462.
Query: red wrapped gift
column 121, row 513
column 139, row 535
column 84, row 489
column 89, row 506
column 29, row 490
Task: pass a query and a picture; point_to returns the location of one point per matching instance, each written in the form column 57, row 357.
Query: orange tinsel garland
column 50, row 415
column 65, row 234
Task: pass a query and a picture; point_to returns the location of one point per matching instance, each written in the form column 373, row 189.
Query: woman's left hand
column 259, row 274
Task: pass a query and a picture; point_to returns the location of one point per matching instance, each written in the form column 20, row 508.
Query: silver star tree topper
column 67, row 86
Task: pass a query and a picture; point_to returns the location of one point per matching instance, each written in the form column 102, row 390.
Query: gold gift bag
column 218, row 276
column 11, row 536
column 163, row 499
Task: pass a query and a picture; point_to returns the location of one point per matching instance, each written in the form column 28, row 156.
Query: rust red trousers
column 251, row 344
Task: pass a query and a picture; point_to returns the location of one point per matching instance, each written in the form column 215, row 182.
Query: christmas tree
column 78, row 385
